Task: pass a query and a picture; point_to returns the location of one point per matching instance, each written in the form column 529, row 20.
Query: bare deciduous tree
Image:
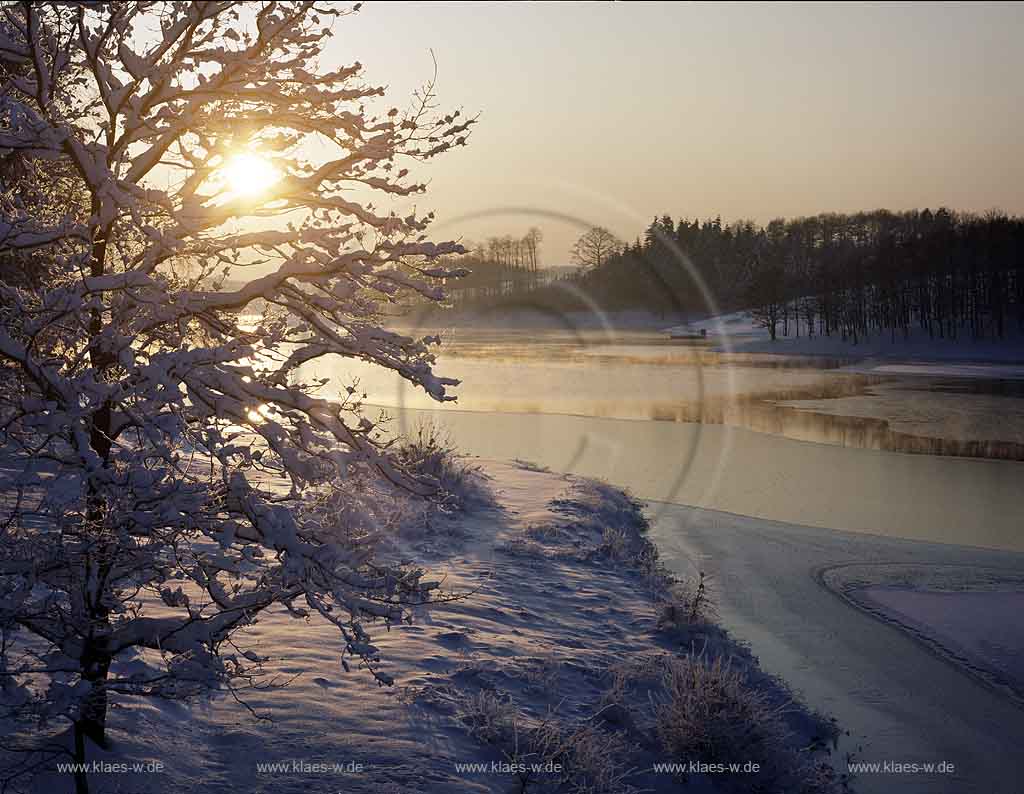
column 595, row 247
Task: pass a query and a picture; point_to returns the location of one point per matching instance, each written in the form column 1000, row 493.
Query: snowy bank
column 575, row 663
column 738, row 332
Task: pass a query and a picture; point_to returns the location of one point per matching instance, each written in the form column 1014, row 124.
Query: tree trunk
column 81, row 778
column 92, row 719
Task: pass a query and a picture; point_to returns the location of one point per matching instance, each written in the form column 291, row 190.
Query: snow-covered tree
column 214, row 227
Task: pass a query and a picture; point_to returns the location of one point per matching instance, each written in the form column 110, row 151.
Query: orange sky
column 610, row 113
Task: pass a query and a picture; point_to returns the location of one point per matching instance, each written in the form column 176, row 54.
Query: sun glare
column 249, row 175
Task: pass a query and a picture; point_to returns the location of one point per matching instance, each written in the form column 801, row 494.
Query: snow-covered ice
column 785, row 589
column 967, row 614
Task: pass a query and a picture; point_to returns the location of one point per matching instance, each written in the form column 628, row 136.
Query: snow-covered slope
column 735, row 325
column 554, row 657
column 739, row 333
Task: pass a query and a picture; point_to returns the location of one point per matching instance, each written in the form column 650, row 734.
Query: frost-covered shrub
column 685, row 602
column 429, row 452
column 544, row 533
column 488, row 716
column 709, row 713
column 614, row 544
column 713, row 709
column 657, row 578
column 624, row 675
column 590, row 757
column 562, row 755
column 523, row 547
column 543, row 672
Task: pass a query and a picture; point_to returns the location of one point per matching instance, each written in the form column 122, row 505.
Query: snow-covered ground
column 739, row 333
column 736, row 325
column 559, row 600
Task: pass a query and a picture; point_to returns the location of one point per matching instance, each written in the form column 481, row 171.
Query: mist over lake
column 828, row 442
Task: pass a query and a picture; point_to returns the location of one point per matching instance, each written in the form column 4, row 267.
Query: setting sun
column 249, row 175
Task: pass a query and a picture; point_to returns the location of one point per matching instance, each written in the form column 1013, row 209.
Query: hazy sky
column 610, row 113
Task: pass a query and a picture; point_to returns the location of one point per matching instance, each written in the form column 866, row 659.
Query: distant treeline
column 499, row 266
column 951, row 274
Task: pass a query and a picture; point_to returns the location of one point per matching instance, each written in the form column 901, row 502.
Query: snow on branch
column 159, row 435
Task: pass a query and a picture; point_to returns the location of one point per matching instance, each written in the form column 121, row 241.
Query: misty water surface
column 756, row 435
